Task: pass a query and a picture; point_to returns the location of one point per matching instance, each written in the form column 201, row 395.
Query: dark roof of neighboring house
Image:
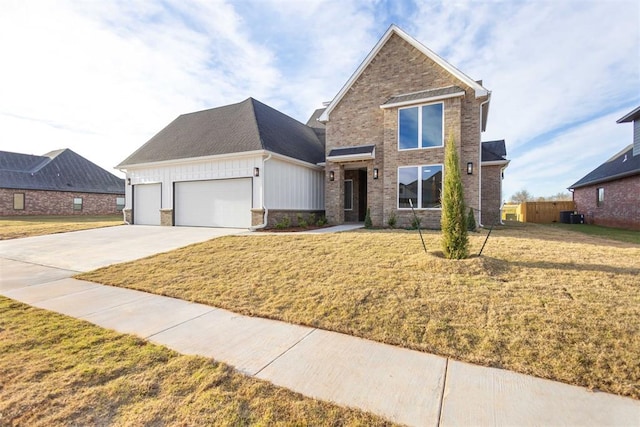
column 494, row 151
column 630, row 117
column 416, row 96
column 59, row 170
column 246, row 126
column 619, row 166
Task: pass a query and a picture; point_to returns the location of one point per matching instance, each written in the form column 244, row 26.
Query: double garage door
column 214, row 203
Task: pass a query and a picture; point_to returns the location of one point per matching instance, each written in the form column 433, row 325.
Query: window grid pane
column 432, row 126
column 18, row 201
column 348, row 195
column 77, row 203
column 407, row 187
column 408, row 128
column 431, row 187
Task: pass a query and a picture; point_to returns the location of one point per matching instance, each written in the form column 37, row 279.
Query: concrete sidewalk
column 401, row 385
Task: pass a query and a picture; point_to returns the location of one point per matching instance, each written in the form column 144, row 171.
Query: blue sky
column 102, row 77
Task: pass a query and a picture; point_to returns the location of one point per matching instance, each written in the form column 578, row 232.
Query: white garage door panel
column 146, row 204
column 216, row 203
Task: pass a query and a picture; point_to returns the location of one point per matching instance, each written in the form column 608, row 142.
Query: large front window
column 420, row 127
column 420, row 184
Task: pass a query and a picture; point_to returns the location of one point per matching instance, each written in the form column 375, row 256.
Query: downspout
column 480, row 163
column 266, row 211
column 501, row 203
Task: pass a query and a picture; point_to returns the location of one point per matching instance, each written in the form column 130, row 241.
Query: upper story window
column 421, row 127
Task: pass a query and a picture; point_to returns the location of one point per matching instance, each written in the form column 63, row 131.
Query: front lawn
column 55, row 370
column 541, row 300
column 14, row 227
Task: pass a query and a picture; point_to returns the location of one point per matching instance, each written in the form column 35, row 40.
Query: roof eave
column 630, row 117
column 606, row 179
column 496, row 163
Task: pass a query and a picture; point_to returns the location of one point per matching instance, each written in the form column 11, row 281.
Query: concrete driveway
column 90, row 249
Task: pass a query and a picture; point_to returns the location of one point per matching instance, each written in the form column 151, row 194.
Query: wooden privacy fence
column 542, row 212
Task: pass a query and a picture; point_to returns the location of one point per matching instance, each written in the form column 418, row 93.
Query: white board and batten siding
column 222, row 192
column 293, row 186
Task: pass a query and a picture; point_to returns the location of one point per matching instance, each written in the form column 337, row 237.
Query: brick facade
column 357, row 119
column 38, row 202
column 621, row 205
column 491, row 194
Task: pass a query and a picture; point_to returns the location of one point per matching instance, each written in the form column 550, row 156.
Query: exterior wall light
column 470, row 168
column 256, row 171
column 375, row 173
column 332, row 176
column 128, row 181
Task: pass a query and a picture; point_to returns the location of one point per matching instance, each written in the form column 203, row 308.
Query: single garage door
column 215, row 203
column 146, row 204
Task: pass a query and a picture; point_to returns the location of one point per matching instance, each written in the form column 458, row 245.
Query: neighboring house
column 609, row 195
column 378, row 144
column 59, row 183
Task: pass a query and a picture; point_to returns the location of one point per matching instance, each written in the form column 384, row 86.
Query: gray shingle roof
column 619, row 166
column 416, row 96
column 59, row 170
column 493, row 151
column 246, row 126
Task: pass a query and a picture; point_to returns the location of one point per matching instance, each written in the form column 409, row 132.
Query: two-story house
column 379, row 144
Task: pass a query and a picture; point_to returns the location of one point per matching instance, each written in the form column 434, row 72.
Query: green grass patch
column 618, row 234
column 55, row 370
column 541, row 300
column 13, row 227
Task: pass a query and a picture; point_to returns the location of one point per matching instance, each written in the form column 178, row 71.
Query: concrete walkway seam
column 284, row 352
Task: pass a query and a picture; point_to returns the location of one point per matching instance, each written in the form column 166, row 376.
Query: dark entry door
column 362, row 194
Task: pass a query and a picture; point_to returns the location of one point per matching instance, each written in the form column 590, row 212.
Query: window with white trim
column 600, row 196
column 420, row 184
column 77, row 203
column 348, row 194
column 119, row 203
column 421, row 127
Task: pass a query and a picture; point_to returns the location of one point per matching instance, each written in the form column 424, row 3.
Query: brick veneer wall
column 621, row 207
column 38, row 202
column 491, row 194
column 358, row 120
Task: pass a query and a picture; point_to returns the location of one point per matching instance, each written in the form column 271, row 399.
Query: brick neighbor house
column 59, row 183
column 378, row 144
column 609, row 195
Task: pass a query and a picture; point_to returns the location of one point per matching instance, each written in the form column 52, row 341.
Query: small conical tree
column 367, row 219
column 471, row 221
column 455, row 242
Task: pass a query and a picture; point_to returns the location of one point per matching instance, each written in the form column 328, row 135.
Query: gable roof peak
column 480, row 90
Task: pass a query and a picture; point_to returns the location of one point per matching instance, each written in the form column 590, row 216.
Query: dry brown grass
column 55, row 370
column 540, row 301
column 28, row 226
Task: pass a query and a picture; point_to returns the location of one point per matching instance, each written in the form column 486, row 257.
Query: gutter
column 266, row 210
column 480, row 159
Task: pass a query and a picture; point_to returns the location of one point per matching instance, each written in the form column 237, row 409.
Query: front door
column 362, row 194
